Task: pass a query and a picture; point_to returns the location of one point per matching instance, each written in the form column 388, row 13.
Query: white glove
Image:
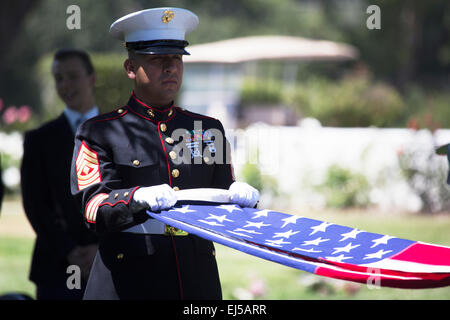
column 155, row 198
column 243, row 194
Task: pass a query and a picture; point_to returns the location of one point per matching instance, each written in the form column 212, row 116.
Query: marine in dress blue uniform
column 128, row 161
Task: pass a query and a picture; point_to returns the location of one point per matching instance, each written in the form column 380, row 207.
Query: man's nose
column 169, row 65
column 63, row 83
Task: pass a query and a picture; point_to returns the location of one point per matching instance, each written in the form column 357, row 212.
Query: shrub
column 264, row 183
column 113, row 88
column 426, row 174
column 251, row 174
column 343, row 188
column 350, row 102
column 266, row 91
column 427, row 109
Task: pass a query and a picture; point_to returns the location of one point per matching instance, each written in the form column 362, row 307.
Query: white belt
column 152, row 226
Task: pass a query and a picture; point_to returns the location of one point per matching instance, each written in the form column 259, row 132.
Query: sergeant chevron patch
column 92, row 207
column 88, row 168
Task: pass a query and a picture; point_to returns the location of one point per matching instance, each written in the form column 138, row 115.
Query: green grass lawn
column 240, row 271
column 15, row 257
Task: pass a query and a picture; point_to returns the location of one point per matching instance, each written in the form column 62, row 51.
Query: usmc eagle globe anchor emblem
column 167, row 16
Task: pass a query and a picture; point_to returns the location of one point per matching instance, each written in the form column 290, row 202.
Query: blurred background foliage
column 354, row 101
column 405, row 64
column 344, row 188
column 427, row 177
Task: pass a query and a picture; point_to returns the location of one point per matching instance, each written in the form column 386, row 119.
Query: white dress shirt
column 76, row 118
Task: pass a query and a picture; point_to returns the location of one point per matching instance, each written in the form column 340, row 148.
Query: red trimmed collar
column 148, row 112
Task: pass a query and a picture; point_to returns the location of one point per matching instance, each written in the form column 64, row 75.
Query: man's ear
column 130, row 68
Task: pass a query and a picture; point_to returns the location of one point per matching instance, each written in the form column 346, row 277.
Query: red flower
column 23, row 114
column 413, row 124
column 10, row 115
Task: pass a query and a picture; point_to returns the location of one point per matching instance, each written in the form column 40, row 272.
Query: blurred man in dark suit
column 62, row 238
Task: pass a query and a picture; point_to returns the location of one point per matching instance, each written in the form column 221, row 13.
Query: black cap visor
column 158, row 47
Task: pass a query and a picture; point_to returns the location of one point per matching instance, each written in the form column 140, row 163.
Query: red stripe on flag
column 425, row 253
column 385, row 280
column 386, row 272
column 368, row 275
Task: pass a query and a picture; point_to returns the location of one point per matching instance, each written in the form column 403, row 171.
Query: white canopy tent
column 213, row 71
column 256, row 48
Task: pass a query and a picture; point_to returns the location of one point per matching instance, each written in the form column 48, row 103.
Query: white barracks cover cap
column 155, row 31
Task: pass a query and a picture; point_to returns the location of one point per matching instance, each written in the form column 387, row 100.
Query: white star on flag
column 277, row 243
column 184, row 209
column 314, row 242
column 260, row 213
column 307, row 250
column 291, row 219
column 212, row 223
column 239, row 234
column 221, row 219
column 352, row 234
column 321, row 227
column 255, row 224
column 229, row 207
column 248, row 231
column 338, row 258
column 379, row 254
column 347, row 248
column 286, row 234
column 382, row 240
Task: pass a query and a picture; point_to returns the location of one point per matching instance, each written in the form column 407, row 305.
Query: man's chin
column 171, row 92
column 160, row 97
column 73, row 106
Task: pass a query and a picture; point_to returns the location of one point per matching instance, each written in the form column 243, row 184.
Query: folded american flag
column 315, row 246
